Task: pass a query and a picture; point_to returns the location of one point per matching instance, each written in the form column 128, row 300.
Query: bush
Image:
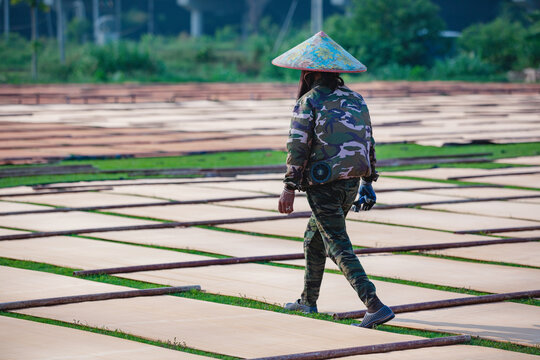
column 123, row 57
column 501, row 43
column 463, row 67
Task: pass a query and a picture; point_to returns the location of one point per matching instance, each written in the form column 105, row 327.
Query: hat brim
column 319, row 53
column 320, row 70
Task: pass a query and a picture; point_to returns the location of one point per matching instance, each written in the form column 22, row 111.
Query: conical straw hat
column 319, row 53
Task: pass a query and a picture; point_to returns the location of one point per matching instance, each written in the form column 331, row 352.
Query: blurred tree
column 77, row 29
column 381, row 32
column 501, row 43
column 34, row 5
column 533, row 39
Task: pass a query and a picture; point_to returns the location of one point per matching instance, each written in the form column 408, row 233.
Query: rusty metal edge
column 153, row 226
column 293, row 256
column 82, row 189
column 498, row 230
column 124, row 206
column 491, row 175
column 457, row 201
column 441, row 304
column 372, row 349
column 25, row 304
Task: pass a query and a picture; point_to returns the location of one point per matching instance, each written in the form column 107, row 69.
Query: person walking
column 330, row 148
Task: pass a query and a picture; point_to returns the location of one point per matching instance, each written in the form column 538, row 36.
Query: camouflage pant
column 326, row 234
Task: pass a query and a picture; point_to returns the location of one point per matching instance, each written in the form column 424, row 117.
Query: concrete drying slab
column 445, row 173
column 67, row 221
column 520, row 234
column 265, row 186
column 86, row 254
column 437, row 219
column 270, row 204
column 360, row 233
column 194, row 212
column 24, row 339
column 500, row 321
column 408, row 197
column 262, row 282
column 219, row 328
column 523, row 160
column 10, row 232
column 529, row 181
column 8, row 206
column 503, row 209
column 276, row 186
column 85, row 199
column 460, row 274
column 301, row 203
column 483, row 192
column 20, row 284
column 249, row 280
column 221, row 242
column 439, row 173
column 180, row 192
column 265, row 283
column 278, row 285
column 15, row 190
column 523, row 254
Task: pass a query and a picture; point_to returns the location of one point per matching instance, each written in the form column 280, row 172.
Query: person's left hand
column 286, row 202
column 366, row 197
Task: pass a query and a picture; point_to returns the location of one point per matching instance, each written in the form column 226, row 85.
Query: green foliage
column 77, row 29
column 402, row 32
column 396, row 39
column 253, row 158
column 114, row 60
column 501, row 43
column 464, row 66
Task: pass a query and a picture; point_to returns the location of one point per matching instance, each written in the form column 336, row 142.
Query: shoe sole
column 381, row 321
column 376, row 322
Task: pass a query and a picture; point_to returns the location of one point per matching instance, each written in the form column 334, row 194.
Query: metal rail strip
column 25, row 304
column 294, row 256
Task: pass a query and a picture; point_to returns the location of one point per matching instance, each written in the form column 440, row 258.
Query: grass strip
column 475, row 340
column 254, row 304
column 533, row 302
column 380, row 278
column 260, row 158
column 172, row 345
column 457, row 258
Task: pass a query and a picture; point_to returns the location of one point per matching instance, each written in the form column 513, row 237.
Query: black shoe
column 379, row 317
column 297, row 306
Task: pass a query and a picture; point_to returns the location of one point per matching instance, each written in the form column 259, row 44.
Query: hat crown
column 319, row 53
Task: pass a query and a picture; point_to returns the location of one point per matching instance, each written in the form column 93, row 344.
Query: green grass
column 222, row 299
column 260, row 158
column 498, row 150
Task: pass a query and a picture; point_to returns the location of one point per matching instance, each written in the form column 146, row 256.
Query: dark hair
column 328, row 79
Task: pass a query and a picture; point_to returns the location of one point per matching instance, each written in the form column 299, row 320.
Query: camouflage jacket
column 330, row 138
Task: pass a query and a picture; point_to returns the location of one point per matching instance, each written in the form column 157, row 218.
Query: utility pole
column 196, row 23
column 33, row 16
column 60, row 30
column 151, row 17
column 6, row 19
column 95, row 17
column 285, row 26
column 316, row 16
column 118, row 17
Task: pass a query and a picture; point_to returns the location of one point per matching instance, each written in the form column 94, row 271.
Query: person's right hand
column 286, row 202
